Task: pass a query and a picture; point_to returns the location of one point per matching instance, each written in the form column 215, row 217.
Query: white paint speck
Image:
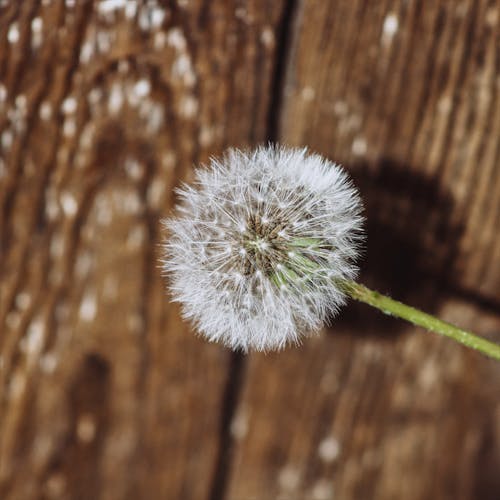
column 351, row 122
column 83, row 264
column 94, row 96
column 13, row 320
column 51, row 205
column 88, row 307
column 308, row 93
column 3, row 93
column 182, row 70
column 21, row 101
column 445, row 104
column 13, row 33
column 136, row 237
column 86, row 428
column 134, row 169
column 69, row 128
column 129, row 204
column 241, row 13
column 56, row 248
column 157, row 17
column 36, row 32
column 34, row 337
column 168, row 160
column 23, row 300
column 340, row 108
column 133, row 98
column 86, row 52
column 188, row 106
column 69, row 105
column 239, row 425
column 115, row 100
column 289, row 478
column 7, row 139
column 461, row 8
column 359, row 146
column 491, row 17
column 56, row 485
column 135, row 323
column 428, row 374
column 105, row 40
column 123, row 66
column 329, row 449
column 206, row 136
column 131, row 10
column 154, row 118
column 48, row 363
column 104, row 215
column 68, row 203
column 36, row 40
column 45, row 111
column 17, row 385
column 390, row 27
column 267, row 37
column 155, row 193
column 87, row 136
column 151, row 16
column 160, row 40
column 106, row 6
column 37, row 25
column 176, row 39
column 142, row 88
column 322, row 490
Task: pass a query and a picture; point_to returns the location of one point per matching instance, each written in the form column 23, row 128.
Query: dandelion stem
column 419, row 318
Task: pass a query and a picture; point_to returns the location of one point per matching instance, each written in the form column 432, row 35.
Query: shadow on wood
column 411, row 244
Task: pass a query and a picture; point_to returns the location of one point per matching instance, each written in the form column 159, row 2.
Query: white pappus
column 259, row 244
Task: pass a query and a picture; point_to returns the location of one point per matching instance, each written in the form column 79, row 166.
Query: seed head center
column 264, row 244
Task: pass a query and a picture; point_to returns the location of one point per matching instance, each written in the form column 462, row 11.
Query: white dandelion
column 259, row 245
column 263, row 251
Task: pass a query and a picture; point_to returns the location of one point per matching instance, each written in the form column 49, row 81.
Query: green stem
column 420, row 318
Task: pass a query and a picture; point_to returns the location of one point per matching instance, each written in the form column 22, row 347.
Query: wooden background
column 104, row 106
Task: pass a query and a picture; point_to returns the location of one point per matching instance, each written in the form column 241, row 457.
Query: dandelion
column 262, row 251
column 259, row 243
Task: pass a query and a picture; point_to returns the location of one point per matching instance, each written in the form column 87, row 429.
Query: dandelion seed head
column 258, row 243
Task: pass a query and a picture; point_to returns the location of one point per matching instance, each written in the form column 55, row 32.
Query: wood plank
column 104, row 106
column 405, row 95
column 357, row 415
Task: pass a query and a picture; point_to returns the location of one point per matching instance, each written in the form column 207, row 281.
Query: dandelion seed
column 256, row 242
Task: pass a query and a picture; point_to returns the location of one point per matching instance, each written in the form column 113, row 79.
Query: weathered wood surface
column 104, row 107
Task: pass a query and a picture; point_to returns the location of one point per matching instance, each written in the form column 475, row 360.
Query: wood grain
column 409, row 89
column 105, row 106
column 360, row 416
column 105, row 392
column 406, row 96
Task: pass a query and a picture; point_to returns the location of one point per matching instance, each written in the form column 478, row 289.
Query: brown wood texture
column 104, row 109
column 105, row 394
